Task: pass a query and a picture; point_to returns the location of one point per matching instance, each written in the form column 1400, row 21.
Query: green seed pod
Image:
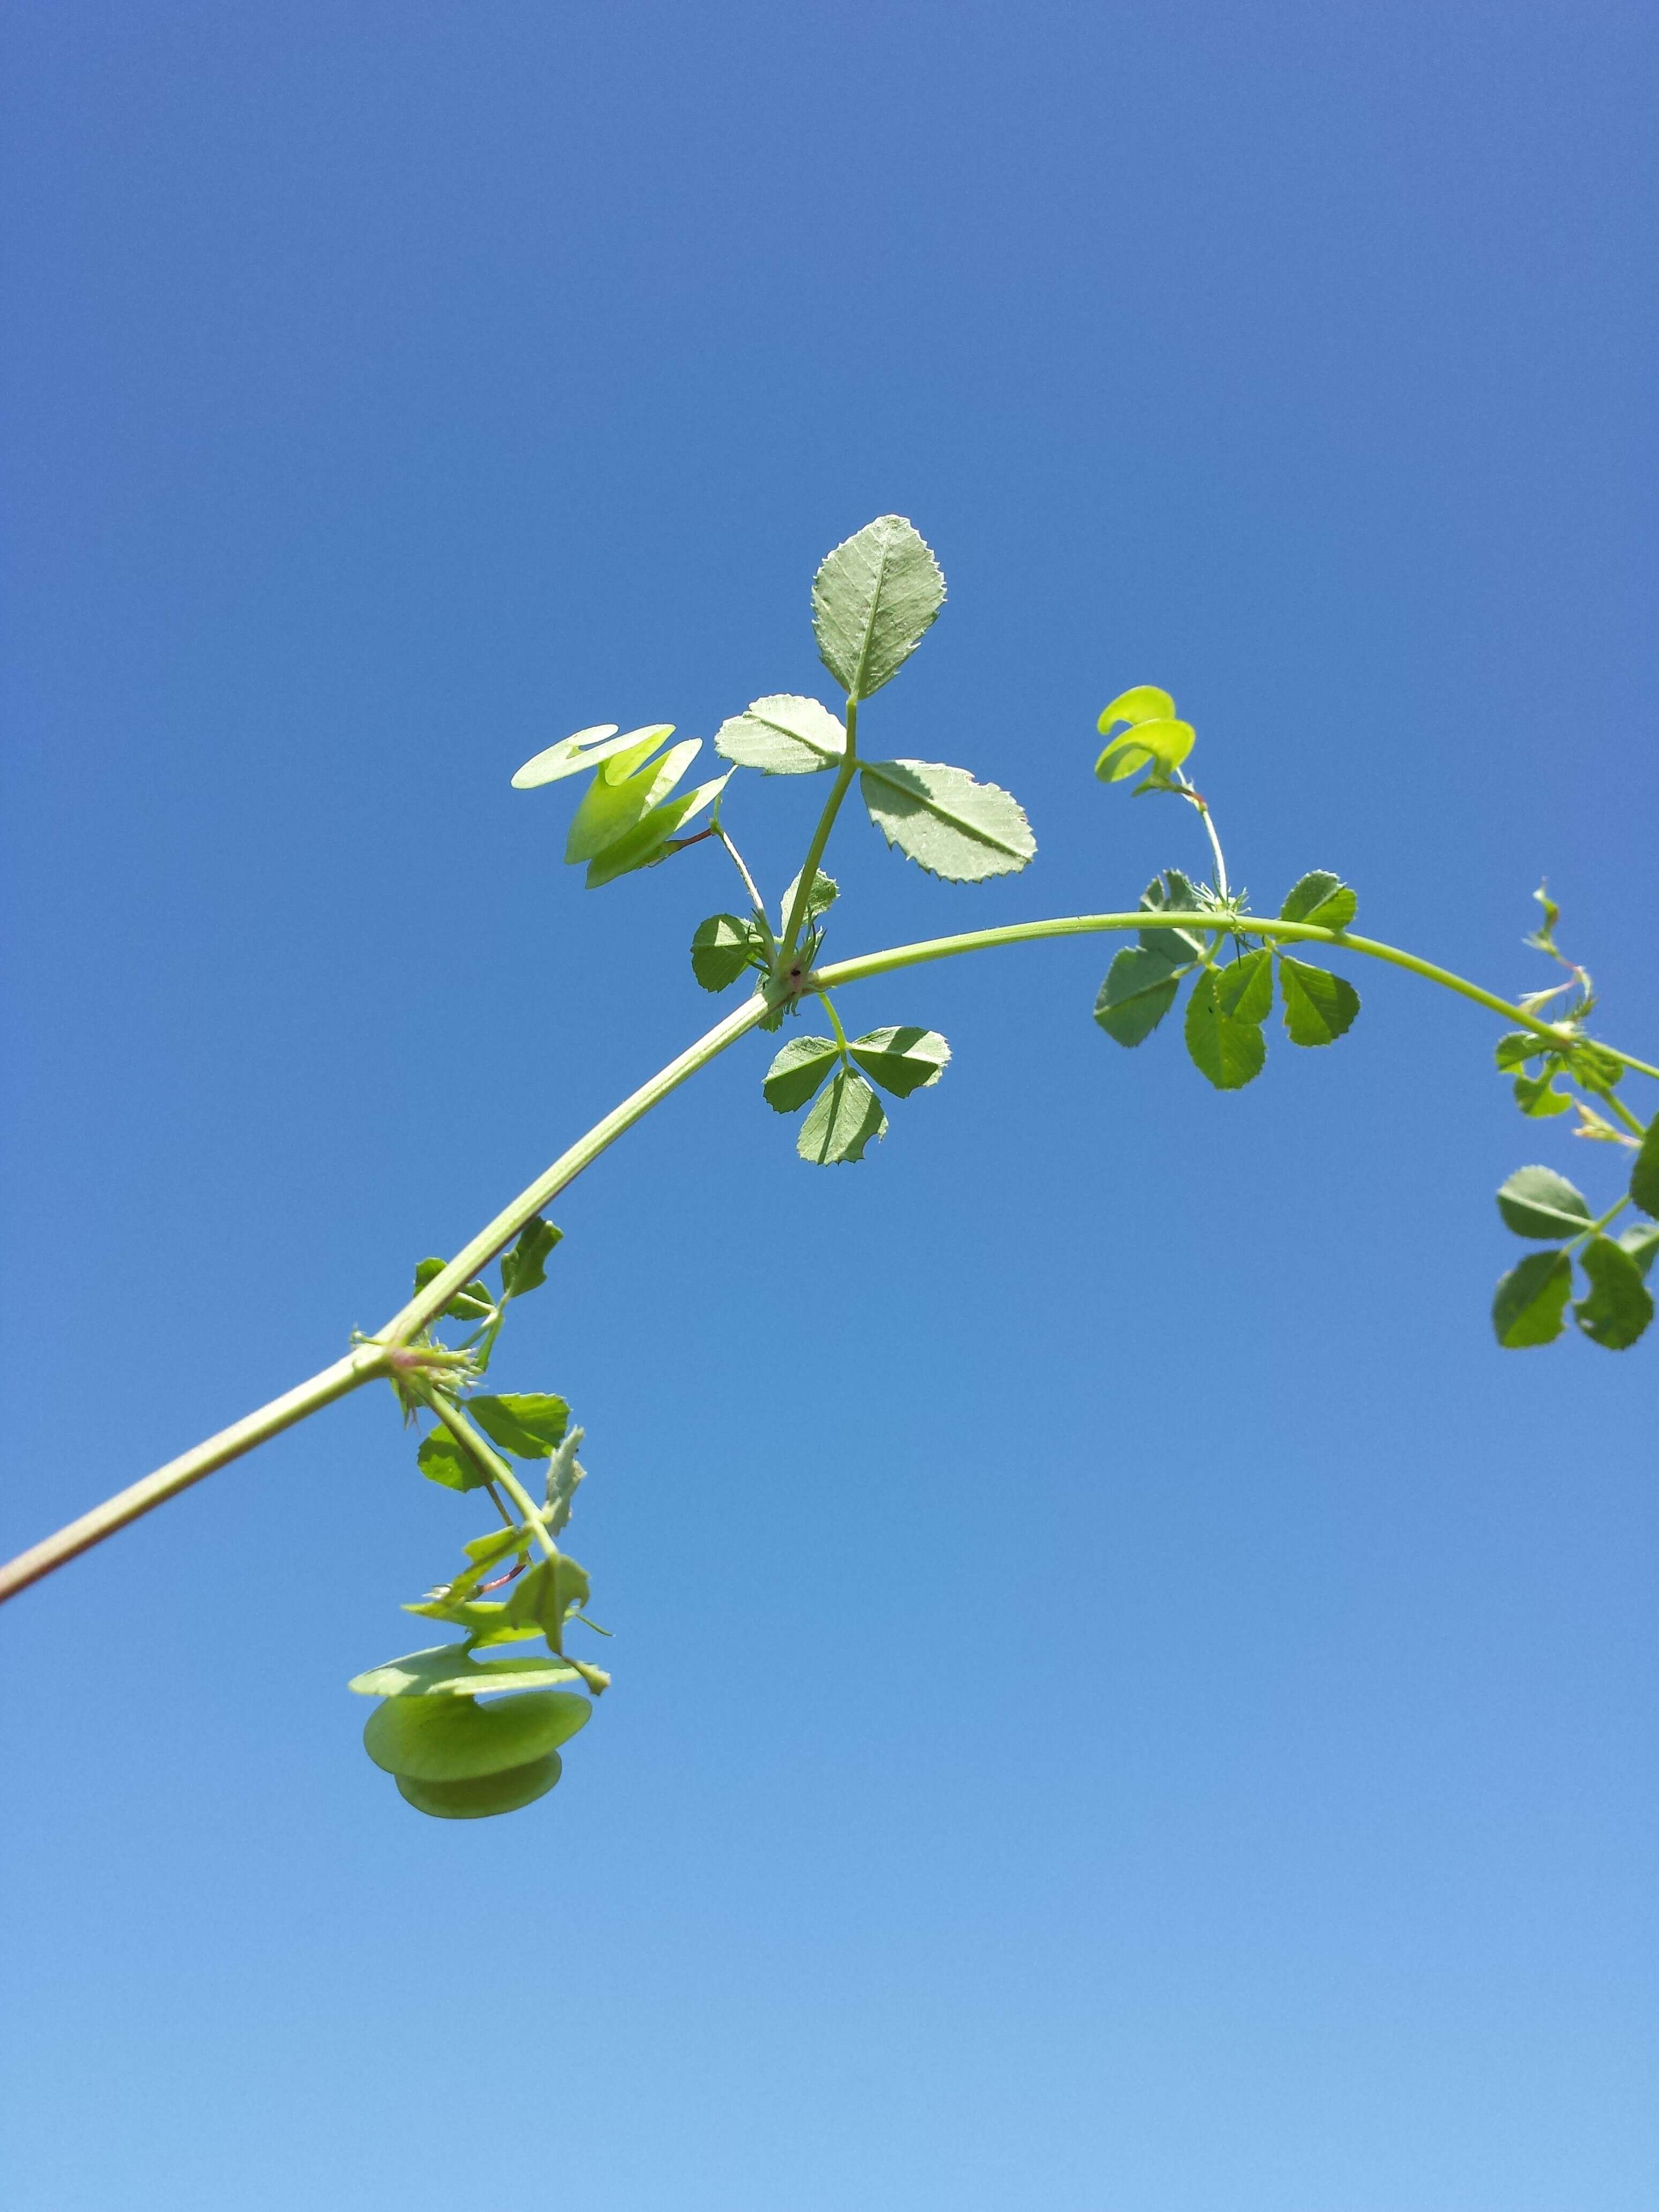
column 485, row 1792
column 445, row 1738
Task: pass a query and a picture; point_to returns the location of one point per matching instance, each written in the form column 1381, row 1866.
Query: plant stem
column 835, row 1024
column 379, row 1358
column 756, row 900
column 1636, row 1129
column 476, row 1448
column 809, row 872
column 1194, row 797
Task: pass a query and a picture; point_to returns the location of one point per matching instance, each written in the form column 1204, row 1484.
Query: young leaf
column 1619, row 1305
column 451, row 1738
column 1530, row 1307
column 441, row 1459
column 901, row 1060
column 1139, row 989
column 1538, row 1202
column 524, row 1268
column 645, row 843
column 844, row 1120
column 1641, row 1243
column 797, row 1072
column 822, row 896
column 448, row 1671
column 721, row 948
column 471, row 1303
column 1172, row 888
column 624, row 791
column 1321, row 898
column 1223, row 1029
column 944, row 822
column 873, row 600
column 564, row 1473
column 528, row 1424
column 783, row 735
column 1644, row 1174
column 588, row 749
column 1318, row 1006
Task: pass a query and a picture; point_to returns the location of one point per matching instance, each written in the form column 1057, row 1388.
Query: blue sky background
column 1127, row 1701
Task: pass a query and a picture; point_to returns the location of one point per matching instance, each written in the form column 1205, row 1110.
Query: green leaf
column 1515, row 1048
column 1321, row 898
column 1645, row 1172
column 1245, row 986
column 441, row 1459
column 564, row 1474
column 524, row 1268
column 842, row 1122
column 447, row 1671
column 549, row 1595
column 1619, row 1305
column 624, row 791
column 822, row 896
column 588, row 749
column 448, row 1739
column 783, row 735
column 1530, row 1307
column 484, row 1794
column 472, row 1302
column 944, row 822
column 797, row 1072
column 527, row 1424
column 874, row 597
column 721, row 948
column 1537, row 1095
column 1180, row 947
column 1642, row 1243
column 901, row 1060
column 645, row 844
column 1162, row 744
column 1224, row 1033
column 1318, row 1006
column 1538, row 1202
column 1139, row 989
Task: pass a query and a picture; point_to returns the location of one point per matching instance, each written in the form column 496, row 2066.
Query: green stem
column 385, row 1355
column 840, row 1034
column 1190, row 793
column 1636, row 1129
column 476, row 1448
column 756, row 900
column 808, row 873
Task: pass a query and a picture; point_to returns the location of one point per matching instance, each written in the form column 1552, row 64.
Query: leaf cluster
column 1615, row 1305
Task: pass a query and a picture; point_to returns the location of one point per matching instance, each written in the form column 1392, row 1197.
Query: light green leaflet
column 901, row 1060
column 586, row 750
column 1154, row 739
column 873, row 600
column 944, row 822
column 797, row 1071
column 822, row 896
column 783, row 735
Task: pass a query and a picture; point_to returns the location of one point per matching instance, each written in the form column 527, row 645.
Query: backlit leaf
column 822, row 896
column 1530, row 1307
column 945, row 822
column 529, row 1424
column 1619, row 1305
column 1318, row 1006
column 1165, row 743
column 783, row 735
column 873, row 599
column 441, row 1459
column 647, row 841
column 845, row 1118
column 1143, row 702
column 588, row 749
column 1226, row 1044
column 1538, row 1202
column 797, row 1072
column 902, row 1060
column 624, row 791
column 1139, row 989
column 721, row 948
column 1323, row 899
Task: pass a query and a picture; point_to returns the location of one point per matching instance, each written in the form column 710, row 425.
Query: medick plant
column 467, row 1734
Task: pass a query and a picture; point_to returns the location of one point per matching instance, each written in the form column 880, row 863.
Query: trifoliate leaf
column 1223, row 1029
column 524, row 1266
column 721, row 948
column 845, row 1118
column 588, row 749
column 1323, row 899
column 447, row 1739
column 1642, row 1243
column 529, row 1424
column 1139, row 989
column 822, row 896
column 624, row 791
column 448, row 1671
column 944, row 822
column 471, row 1303
column 1318, row 1006
column 647, row 841
column 1538, row 1202
column 901, row 1060
column 1619, row 1305
column 797, row 1072
column 783, row 735
column 1530, row 1307
column 1172, row 888
column 873, row 600
column 1645, row 1173
column 441, row 1459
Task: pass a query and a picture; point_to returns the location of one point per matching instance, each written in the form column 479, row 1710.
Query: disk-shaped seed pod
column 461, row 1759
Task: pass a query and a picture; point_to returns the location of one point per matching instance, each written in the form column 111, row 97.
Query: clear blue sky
column 1127, row 1701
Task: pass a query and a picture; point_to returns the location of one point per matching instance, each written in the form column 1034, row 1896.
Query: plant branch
column 809, row 872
